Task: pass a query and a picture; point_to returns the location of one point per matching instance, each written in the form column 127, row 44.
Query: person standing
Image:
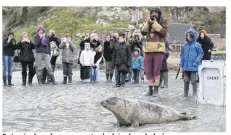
column 155, row 28
column 85, row 39
column 97, row 48
column 137, row 65
column 42, row 46
column 107, row 53
column 121, row 59
column 190, row 59
column 206, row 44
column 87, row 60
column 26, row 57
column 68, row 58
column 164, row 67
column 9, row 46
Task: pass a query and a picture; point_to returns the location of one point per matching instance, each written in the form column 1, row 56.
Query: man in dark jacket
column 42, row 46
column 121, row 59
column 206, row 44
column 9, row 46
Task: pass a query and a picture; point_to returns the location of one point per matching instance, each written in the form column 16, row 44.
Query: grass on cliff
column 61, row 20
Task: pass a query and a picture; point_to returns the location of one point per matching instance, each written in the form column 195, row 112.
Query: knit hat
column 204, row 31
column 40, row 27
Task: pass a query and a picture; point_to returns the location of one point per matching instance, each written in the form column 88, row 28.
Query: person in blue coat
column 137, row 65
column 191, row 55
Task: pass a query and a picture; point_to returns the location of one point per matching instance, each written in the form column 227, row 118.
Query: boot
column 150, row 91
column 30, row 80
column 4, row 80
column 155, row 94
column 53, row 79
column 64, row 79
column 186, row 89
column 165, row 79
column 24, row 80
column 69, row 79
column 111, row 76
column 194, row 89
column 107, row 77
column 9, row 81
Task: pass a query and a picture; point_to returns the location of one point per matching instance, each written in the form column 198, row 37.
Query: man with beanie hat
column 9, row 45
column 42, row 47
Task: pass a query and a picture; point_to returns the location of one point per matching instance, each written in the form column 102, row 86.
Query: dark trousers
column 136, row 75
column 86, row 72
column 67, row 69
column 30, row 66
column 53, row 62
column 120, row 77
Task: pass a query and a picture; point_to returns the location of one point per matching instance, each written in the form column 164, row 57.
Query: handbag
column 16, row 57
column 55, row 52
column 123, row 68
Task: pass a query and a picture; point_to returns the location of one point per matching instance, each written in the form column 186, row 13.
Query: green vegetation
column 61, row 20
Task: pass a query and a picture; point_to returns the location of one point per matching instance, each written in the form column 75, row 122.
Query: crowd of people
column 126, row 58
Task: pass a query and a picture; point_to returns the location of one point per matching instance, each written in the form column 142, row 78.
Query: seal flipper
column 185, row 116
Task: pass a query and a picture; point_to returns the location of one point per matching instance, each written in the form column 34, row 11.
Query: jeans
column 7, row 65
column 136, row 75
column 94, row 74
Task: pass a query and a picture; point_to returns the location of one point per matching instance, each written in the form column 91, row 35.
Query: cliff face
column 80, row 19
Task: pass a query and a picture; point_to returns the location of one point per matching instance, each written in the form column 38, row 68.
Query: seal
column 136, row 112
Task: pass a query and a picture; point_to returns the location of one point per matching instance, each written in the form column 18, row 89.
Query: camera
column 153, row 18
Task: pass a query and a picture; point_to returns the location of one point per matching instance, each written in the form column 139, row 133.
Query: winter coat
column 164, row 65
column 87, row 58
column 40, row 46
column 156, row 34
column 206, row 45
column 26, row 51
column 108, row 50
column 191, row 54
column 137, row 61
column 121, row 55
column 8, row 48
column 68, row 54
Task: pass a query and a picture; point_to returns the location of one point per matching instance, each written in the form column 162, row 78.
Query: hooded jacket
column 42, row 45
column 191, row 54
column 137, row 61
column 87, row 57
column 156, row 34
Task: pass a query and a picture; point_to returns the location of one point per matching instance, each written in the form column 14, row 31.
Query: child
column 191, row 55
column 121, row 60
column 68, row 58
column 98, row 56
column 87, row 60
column 137, row 65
